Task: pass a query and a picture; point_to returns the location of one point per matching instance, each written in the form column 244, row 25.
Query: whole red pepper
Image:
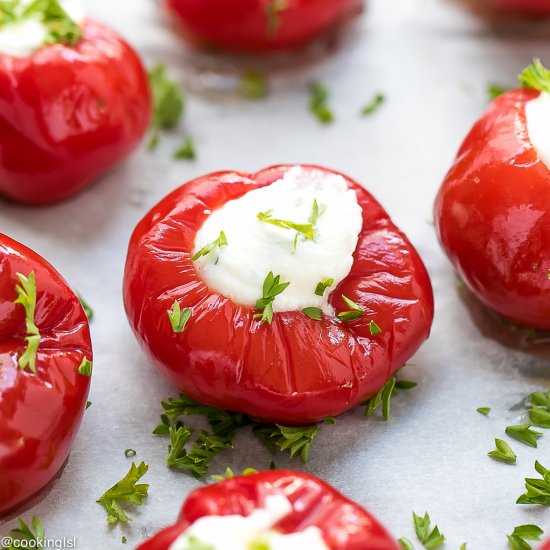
column 40, row 408
column 257, row 26
column 68, row 114
column 296, row 370
column 492, row 214
column 343, row 523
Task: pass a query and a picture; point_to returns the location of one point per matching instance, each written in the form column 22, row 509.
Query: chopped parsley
column 383, row 397
column 521, row 534
column 484, row 410
column 374, row 328
column 272, row 287
column 405, row 543
column 495, row 90
column 539, row 409
column 130, row 453
column 194, row 543
column 322, row 286
column 305, row 229
column 313, row 313
column 229, row 473
column 318, row 104
column 537, row 490
column 179, row 317
column 296, row 440
column 87, row 309
column 186, row 151
column 354, row 313
column 272, row 11
column 210, row 247
column 127, row 490
column 524, row 434
column 253, row 85
column 26, row 296
column 375, row 104
column 536, row 76
column 430, row 538
column 31, row 535
column 503, row 452
column 85, row 367
column 168, row 103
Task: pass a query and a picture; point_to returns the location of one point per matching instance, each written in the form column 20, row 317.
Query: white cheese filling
column 23, row 38
column 236, row 532
column 537, row 114
column 255, row 248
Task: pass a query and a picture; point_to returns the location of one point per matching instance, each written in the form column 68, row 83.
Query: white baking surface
column 434, row 61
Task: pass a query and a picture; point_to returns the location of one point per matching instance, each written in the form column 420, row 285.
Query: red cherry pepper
column 492, row 214
column 296, row 370
column 256, row 26
column 40, row 412
column 68, row 114
column 343, row 523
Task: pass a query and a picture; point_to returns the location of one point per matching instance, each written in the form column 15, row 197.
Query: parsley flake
column 313, row 313
column 253, row 85
column 272, row 287
column 524, row 434
column 33, row 535
column 186, row 151
column 484, row 410
column 430, row 538
column 503, row 452
column 322, row 286
column 405, row 543
column 536, row 76
column 305, row 229
column 168, row 103
column 377, row 101
column 374, row 328
column 318, row 104
column 210, row 247
column 26, row 296
column 295, row 439
column 86, row 307
column 538, row 490
column 179, row 317
column 353, row 314
column 521, row 534
column 495, row 90
column 130, row 453
column 126, row 490
column 85, row 367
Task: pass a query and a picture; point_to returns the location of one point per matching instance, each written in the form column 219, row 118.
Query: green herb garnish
column 538, row 490
column 126, row 490
column 296, row 440
column 210, row 247
column 305, row 229
column 503, row 452
column 168, row 103
column 87, row 309
column 318, row 104
column 253, row 85
column 130, row 453
column 179, row 317
column 536, row 76
column 322, row 286
column 521, row 534
column 34, row 535
column 524, row 434
column 272, row 287
column 355, row 311
column 484, row 410
column 85, row 367
column 495, row 90
column 405, row 543
column 26, row 296
column 374, row 328
column 375, row 104
column 272, row 12
column 383, row 397
column 430, row 538
column 313, row 313
column 186, row 151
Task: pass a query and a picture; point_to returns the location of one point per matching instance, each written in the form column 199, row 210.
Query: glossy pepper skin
column 492, row 214
column 343, row 523
column 68, row 114
column 297, row 370
column 246, row 26
column 39, row 413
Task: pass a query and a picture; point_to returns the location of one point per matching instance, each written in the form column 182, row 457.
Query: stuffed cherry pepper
column 288, row 295
column 492, row 212
column 257, row 26
column 279, row 510
column 74, row 100
column 45, row 368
